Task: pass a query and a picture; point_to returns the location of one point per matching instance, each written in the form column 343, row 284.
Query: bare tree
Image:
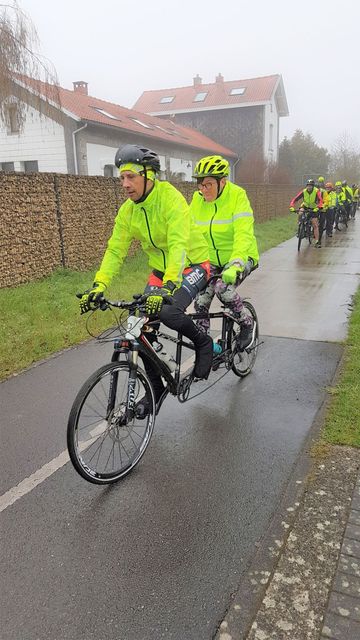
column 345, row 159
column 19, row 59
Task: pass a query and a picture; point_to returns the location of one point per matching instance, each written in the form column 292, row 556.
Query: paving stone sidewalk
column 312, row 590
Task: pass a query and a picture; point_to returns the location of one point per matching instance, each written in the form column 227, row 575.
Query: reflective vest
column 227, row 224
column 336, row 199
column 311, row 199
column 348, row 193
column 162, row 223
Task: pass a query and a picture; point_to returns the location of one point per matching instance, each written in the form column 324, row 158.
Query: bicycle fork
column 133, row 356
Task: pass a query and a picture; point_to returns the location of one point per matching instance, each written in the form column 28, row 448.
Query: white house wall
column 99, row 155
column 181, row 167
column 41, row 139
column 271, row 149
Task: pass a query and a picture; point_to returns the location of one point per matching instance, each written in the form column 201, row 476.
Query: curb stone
column 302, row 601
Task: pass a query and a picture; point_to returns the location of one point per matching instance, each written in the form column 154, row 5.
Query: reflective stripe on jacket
column 162, row 223
column 227, row 224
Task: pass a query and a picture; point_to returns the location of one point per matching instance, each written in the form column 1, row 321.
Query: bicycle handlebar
column 140, row 298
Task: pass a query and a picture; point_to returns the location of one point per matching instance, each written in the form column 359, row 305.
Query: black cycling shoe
column 204, row 356
column 245, row 336
column 142, row 408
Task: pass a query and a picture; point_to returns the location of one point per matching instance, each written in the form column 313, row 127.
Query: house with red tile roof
column 73, row 132
column 242, row 115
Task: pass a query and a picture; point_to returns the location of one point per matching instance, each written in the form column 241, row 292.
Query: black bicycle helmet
column 137, row 155
column 310, row 183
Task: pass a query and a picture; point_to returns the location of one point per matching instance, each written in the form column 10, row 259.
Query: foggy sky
column 124, row 48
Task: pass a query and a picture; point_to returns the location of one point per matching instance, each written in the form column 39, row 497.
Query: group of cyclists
column 199, row 250
column 194, row 251
column 323, row 202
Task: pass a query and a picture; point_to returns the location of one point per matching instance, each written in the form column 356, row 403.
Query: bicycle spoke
column 104, row 444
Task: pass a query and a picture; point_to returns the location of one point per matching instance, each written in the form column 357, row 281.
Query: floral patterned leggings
column 226, row 293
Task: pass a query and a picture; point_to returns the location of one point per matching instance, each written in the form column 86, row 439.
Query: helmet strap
column 219, row 190
column 145, row 192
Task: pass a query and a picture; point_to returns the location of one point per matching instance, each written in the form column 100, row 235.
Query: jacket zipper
column 212, row 239
column 151, row 240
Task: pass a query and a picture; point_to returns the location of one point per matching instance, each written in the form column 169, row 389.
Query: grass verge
column 273, row 232
column 42, row 317
column 342, row 421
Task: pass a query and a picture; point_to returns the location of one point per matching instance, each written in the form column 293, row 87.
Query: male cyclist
column 221, row 210
column 311, row 200
column 322, row 210
column 157, row 214
column 340, row 199
column 331, row 202
column 348, row 193
column 355, row 190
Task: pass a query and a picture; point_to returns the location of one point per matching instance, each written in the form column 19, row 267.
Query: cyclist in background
column 331, row 202
column 221, row 210
column 157, row 214
column 322, row 210
column 311, row 200
column 355, row 190
column 348, row 198
column 340, row 198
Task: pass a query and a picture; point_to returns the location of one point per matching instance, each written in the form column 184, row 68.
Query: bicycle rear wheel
column 244, row 360
column 104, row 443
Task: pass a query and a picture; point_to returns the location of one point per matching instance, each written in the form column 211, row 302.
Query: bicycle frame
column 142, row 346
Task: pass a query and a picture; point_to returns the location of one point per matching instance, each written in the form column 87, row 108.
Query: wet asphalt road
column 159, row 554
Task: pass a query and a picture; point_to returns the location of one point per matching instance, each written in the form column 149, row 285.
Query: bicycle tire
column 244, row 360
column 301, row 234
column 110, row 430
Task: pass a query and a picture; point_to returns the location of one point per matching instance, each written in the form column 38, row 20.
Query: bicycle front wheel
column 244, row 360
column 301, row 234
column 104, row 440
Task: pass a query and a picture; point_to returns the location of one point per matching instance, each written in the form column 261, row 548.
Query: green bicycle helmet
column 214, row 166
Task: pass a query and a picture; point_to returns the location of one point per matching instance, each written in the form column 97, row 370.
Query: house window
column 105, row 113
column 147, row 126
column 237, row 91
column 109, row 171
column 166, row 99
column 13, row 119
column 200, row 97
column 6, row 167
column 31, row 166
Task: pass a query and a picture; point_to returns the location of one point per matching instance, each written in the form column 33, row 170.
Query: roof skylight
column 200, row 97
column 237, row 91
column 166, row 99
column 105, row 113
column 143, row 124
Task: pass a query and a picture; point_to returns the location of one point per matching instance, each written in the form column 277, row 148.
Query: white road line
column 32, row 481
column 36, row 478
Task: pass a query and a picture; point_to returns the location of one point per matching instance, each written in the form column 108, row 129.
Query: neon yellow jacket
column 348, row 193
column 325, row 199
column 162, row 223
column 227, row 224
column 356, row 194
column 336, row 199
